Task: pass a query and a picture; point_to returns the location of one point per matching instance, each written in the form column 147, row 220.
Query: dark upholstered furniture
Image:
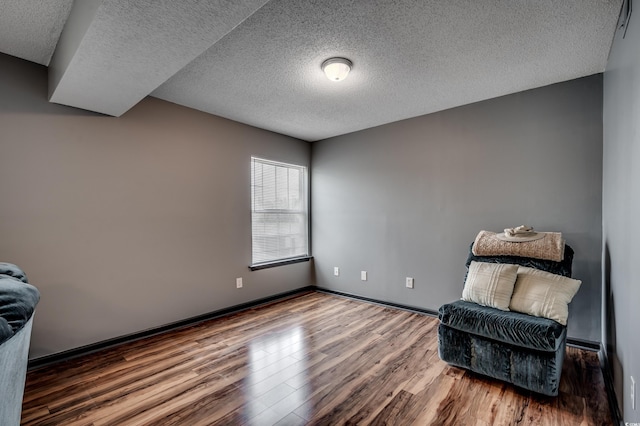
column 18, row 300
column 518, row 348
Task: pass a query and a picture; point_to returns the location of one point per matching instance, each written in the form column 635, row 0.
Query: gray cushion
column 509, row 327
column 6, row 330
column 13, row 271
column 18, row 301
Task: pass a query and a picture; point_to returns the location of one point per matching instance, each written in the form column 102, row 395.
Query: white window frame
column 279, row 240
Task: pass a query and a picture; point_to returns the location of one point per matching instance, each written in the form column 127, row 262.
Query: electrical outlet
column 633, row 393
column 363, row 275
column 336, row 271
column 409, row 282
column 238, row 282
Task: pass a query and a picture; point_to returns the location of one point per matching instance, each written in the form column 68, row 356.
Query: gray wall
column 407, row 199
column 621, row 212
column 128, row 223
column 134, row 222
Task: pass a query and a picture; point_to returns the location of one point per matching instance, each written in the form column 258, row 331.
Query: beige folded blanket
column 550, row 247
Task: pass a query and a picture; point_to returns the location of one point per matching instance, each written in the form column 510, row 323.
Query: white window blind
column 279, row 218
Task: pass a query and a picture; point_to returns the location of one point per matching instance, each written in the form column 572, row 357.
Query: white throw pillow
column 543, row 294
column 490, row 284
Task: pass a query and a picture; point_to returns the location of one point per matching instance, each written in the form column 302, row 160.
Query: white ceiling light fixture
column 337, row 69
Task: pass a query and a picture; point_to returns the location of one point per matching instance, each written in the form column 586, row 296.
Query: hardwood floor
column 315, row 359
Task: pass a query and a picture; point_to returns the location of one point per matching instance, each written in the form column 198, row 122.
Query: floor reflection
column 276, row 384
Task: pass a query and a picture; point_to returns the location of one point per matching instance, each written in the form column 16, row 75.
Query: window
column 279, row 218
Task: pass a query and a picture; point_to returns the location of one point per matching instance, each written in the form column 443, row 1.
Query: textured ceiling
column 29, row 29
column 128, row 48
column 258, row 61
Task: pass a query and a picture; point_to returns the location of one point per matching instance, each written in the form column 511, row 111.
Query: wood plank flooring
column 315, row 359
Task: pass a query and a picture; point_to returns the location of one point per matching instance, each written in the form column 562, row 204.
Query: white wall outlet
column 409, row 282
column 336, row 271
column 238, row 282
column 363, row 275
column 633, row 393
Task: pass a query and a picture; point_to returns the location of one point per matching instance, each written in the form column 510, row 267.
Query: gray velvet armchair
column 521, row 349
column 18, row 300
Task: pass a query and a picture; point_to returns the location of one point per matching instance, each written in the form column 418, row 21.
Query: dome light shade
column 336, row 69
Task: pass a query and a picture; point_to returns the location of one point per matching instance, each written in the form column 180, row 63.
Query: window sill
column 275, row 263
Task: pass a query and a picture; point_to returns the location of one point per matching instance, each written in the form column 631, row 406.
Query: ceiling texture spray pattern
column 259, row 62
column 29, row 29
